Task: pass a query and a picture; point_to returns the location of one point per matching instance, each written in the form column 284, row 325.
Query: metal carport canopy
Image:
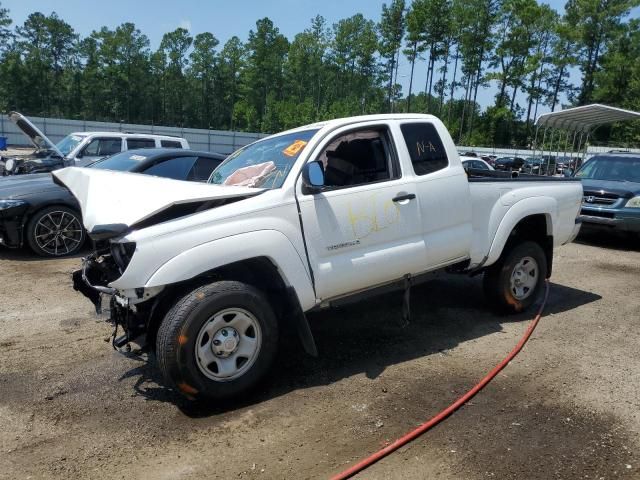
column 582, row 119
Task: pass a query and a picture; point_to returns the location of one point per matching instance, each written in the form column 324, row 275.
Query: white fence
column 220, row 141
column 56, row 129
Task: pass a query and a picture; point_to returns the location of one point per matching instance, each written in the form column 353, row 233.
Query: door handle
column 401, row 198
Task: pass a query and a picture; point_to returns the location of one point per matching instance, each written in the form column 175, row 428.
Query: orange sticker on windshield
column 294, row 149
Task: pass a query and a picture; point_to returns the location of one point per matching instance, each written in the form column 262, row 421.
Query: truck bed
column 479, row 175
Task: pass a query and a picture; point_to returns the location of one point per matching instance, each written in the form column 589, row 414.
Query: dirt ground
column 568, row 407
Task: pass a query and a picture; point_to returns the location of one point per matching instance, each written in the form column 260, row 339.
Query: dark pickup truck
column 611, row 184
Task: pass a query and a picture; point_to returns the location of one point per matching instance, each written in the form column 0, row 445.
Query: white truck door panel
column 446, row 222
column 442, row 189
column 359, row 237
column 368, row 217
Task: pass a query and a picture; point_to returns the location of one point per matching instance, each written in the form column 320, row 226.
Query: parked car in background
column 43, row 215
column 611, row 186
column 511, row 164
column 475, row 163
column 488, row 158
column 77, row 149
column 563, row 163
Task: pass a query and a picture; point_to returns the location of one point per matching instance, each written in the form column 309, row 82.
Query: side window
column 357, row 158
column 92, row 149
column 133, row 143
column 425, row 148
column 176, row 168
column 203, row 168
column 170, row 144
column 102, row 147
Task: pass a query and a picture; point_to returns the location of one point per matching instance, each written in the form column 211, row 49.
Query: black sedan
column 37, row 212
column 509, row 163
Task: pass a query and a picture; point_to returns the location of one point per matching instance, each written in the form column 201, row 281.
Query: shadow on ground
column 367, row 337
column 609, row 239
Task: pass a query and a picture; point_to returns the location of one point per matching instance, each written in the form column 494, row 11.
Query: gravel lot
column 567, row 407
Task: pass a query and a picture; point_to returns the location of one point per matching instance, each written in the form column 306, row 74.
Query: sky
column 223, row 18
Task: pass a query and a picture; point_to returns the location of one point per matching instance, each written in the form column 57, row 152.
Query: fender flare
column 205, row 257
column 527, row 207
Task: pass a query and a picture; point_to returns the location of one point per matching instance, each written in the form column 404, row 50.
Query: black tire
column 177, row 350
column 66, row 240
column 498, row 287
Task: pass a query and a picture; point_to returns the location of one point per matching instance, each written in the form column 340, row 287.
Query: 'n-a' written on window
column 425, row 147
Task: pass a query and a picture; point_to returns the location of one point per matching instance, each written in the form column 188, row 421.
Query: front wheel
column 55, row 232
column 514, row 282
column 218, row 341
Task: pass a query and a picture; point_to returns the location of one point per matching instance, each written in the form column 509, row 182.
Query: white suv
column 78, row 149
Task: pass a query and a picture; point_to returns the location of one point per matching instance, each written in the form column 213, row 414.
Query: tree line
column 525, row 49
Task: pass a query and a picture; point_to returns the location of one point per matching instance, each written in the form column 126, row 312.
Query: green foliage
column 269, row 83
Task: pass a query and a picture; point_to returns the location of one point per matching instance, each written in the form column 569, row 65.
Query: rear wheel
column 514, row 282
column 218, row 341
column 55, row 232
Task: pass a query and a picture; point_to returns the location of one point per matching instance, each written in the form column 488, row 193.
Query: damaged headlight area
column 122, row 254
column 128, row 310
column 94, row 277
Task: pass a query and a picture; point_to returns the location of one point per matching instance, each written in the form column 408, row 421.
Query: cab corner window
column 357, row 158
column 425, row 147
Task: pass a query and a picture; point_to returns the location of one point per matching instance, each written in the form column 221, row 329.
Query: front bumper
column 11, row 233
column 12, row 222
column 92, row 282
column 618, row 219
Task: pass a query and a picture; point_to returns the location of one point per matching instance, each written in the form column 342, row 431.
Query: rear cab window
column 425, row 147
column 170, row 144
column 134, row 143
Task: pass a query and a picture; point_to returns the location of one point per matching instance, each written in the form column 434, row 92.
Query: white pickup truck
column 208, row 274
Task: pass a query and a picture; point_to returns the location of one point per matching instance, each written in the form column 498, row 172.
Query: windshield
column 122, row 162
column 68, row 143
column 264, row 164
column 618, row 169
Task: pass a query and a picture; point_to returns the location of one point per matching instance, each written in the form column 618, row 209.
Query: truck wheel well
column 259, row 272
column 535, row 228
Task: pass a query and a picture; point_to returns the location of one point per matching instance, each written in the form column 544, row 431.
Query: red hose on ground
column 412, row 435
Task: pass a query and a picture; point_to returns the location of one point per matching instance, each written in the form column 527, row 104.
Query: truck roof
column 339, row 122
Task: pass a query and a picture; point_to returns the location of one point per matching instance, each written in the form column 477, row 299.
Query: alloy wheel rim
column 228, row 344
column 58, row 233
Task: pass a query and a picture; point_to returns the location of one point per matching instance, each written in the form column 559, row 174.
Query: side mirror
column 312, row 177
column 568, row 172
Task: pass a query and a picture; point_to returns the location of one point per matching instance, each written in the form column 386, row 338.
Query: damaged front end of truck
column 115, row 205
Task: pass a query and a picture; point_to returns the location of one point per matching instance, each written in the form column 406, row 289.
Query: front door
column 364, row 229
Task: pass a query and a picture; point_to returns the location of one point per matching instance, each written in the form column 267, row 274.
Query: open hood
column 37, row 138
column 112, row 202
